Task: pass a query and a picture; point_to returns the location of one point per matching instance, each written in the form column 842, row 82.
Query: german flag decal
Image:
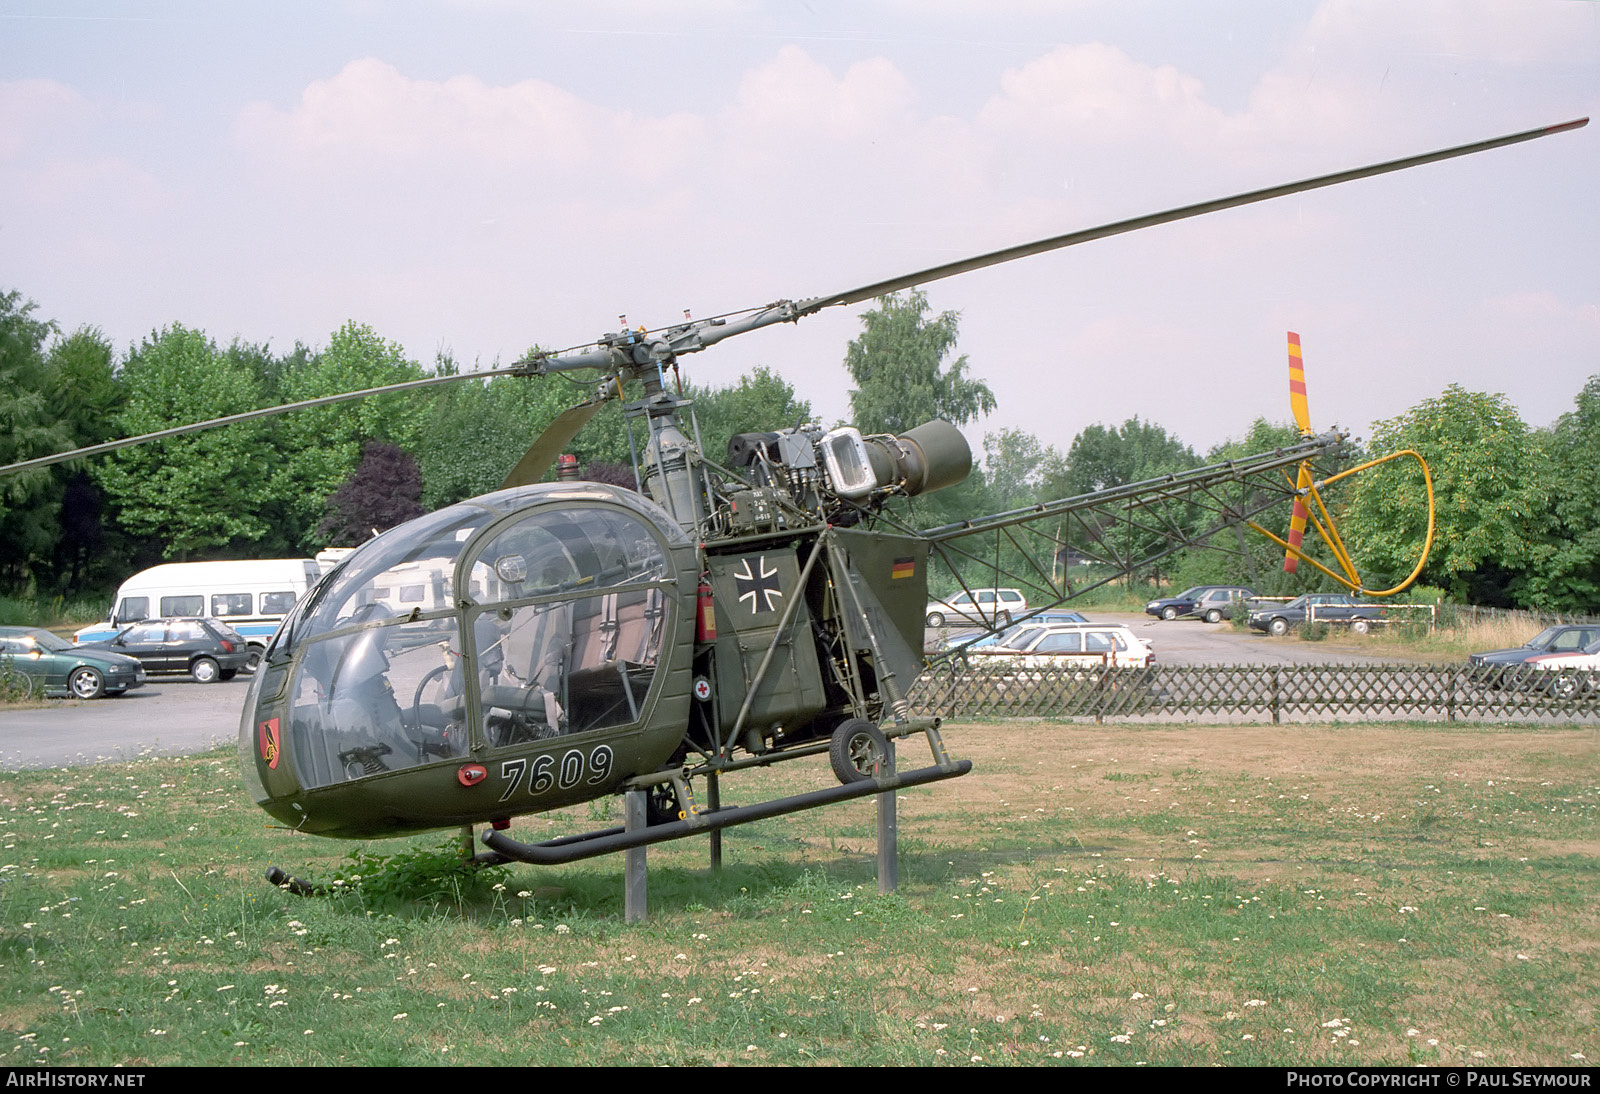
column 903, row 567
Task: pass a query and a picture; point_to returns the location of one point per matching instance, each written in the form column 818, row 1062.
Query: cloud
column 1096, row 93
column 55, row 160
column 534, row 195
column 371, row 115
column 1509, row 32
column 33, row 113
column 793, row 94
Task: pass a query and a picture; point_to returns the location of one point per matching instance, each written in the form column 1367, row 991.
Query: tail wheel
column 661, row 804
column 858, row 751
column 1360, row 626
column 205, row 671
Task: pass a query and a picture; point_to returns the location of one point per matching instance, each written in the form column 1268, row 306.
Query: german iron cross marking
column 763, row 585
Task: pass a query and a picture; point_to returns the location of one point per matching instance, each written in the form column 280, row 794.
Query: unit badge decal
column 267, row 740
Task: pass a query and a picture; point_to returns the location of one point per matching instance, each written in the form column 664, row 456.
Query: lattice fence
column 1260, row 692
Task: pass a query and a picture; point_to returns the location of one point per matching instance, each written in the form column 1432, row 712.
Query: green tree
column 319, row 448
column 270, row 369
column 898, row 365
column 1487, row 478
column 762, row 401
column 88, row 397
column 203, row 490
column 1104, row 457
column 475, row 434
column 29, row 427
column 1016, row 466
column 84, row 385
column 477, row 431
column 1567, row 575
column 1219, row 561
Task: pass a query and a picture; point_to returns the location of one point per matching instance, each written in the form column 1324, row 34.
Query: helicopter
column 551, row 643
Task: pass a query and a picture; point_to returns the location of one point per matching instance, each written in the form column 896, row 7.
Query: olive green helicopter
column 555, row 642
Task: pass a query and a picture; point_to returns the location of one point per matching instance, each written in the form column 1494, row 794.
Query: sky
column 475, row 177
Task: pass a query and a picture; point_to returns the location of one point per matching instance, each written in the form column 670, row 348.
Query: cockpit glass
column 558, row 631
column 410, row 569
column 561, row 551
column 573, row 644
column 378, row 699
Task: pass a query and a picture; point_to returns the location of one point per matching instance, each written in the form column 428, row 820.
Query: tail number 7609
column 547, row 772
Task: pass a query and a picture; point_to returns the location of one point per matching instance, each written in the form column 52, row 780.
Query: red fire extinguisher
column 705, row 620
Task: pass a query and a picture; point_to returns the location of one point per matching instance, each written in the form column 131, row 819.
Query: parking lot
column 168, row 716
column 1191, row 642
column 174, row 715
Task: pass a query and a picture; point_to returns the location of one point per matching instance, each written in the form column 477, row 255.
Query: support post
column 713, row 803
column 888, row 834
column 633, row 872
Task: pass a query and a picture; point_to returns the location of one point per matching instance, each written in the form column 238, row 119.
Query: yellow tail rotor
column 1302, row 420
column 1308, row 493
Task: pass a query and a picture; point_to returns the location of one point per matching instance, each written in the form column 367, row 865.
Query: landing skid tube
column 607, row 840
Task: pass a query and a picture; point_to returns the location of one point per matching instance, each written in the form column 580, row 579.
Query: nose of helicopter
column 494, row 658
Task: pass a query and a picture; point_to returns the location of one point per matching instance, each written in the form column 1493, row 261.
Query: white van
column 250, row 596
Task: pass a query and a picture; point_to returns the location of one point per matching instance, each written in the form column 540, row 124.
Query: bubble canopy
column 531, row 614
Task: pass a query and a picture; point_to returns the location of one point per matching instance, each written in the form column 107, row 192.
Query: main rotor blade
column 1071, row 239
column 701, row 335
column 557, row 435
column 247, row 416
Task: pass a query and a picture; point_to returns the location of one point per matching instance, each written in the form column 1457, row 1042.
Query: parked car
column 1054, row 615
column 1005, row 637
column 1220, row 603
column 1213, row 603
column 1561, row 638
column 1171, row 607
column 1336, row 608
column 984, row 606
column 55, row 666
column 203, row 648
column 1066, row 644
column 1575, row 672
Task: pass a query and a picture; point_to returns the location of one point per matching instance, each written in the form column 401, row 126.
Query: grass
column 1333, row 895
column 1458, row 639
column 1448, row 642
column 52, row 612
